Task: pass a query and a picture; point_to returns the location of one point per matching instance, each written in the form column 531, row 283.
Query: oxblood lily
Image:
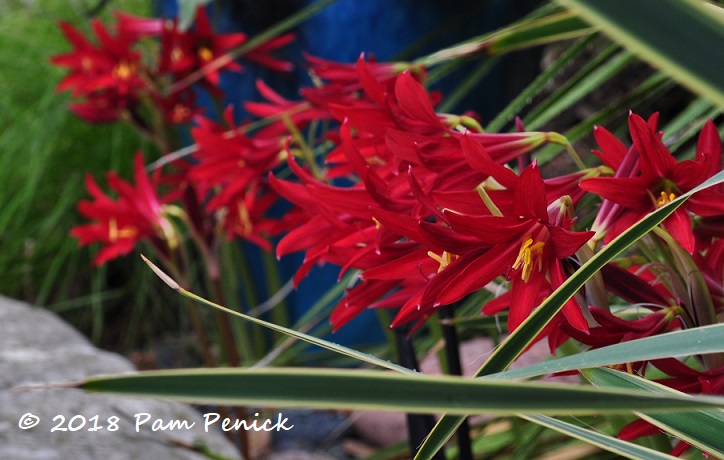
column 661, row 180
column 137, row 214
column 528, row 244
column 185, row 52
column 111, row 65
column 107, row 75
column 231, row 173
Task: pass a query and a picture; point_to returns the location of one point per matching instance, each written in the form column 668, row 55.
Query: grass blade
column 289, row 332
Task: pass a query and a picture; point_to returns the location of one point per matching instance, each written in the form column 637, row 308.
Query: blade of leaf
column 514, row 345
column 604, row 441
column 654, row 86
column 522, row 99
column 524, row 34
column 289, row 332
column 702, row 429
column 583, row 83
column 700, row 340
column 680, row 37
column 381, row 390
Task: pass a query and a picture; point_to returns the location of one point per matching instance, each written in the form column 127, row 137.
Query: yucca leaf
column 604, row 441
column 702, row 429
column 700, row 340
column 379, row 390
column 682, row 38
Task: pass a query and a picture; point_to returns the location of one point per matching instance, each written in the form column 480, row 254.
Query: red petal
column 628, row 192
column 566, row 243
column 637, row 429
column 612, row 149
column 469, row 273
column 529, row 196
column 524, row 298
column 372, row 87
column 655, row 160
column 678, row 225
column 709, row 142
column 571, row 310
column 478, row 158
column 414, row 100
column 491, row 229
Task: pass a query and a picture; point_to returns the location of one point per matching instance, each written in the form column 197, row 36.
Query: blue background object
column 385, row 29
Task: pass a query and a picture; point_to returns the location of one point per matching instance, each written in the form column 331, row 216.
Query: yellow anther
column 114, row 232
column 665, row 199
column 123, row 70
column 176, row 54
column 179, row 113
column 205, row 54
column 444, row 259
column 245, row 219
column 525, row 257
column 377, row 223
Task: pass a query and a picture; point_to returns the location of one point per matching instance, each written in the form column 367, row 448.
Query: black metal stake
column 452, row 354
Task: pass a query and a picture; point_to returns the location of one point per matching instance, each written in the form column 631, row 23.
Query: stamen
column 176, row 54
column 205, row 54
column 180, row 112
column 245, row 219
column 114, row 232
column 488, row 201
column 664, row 199
column 122, row 70
column 444, row 259
column 525, row 257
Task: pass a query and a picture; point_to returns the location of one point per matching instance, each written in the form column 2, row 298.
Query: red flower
column 137, row 214
column 662, row 178
column 107, row 75
column 231, row 173
column 527, row 242
column 184, row 52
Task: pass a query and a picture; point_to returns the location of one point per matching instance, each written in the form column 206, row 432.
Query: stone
column 38, row 348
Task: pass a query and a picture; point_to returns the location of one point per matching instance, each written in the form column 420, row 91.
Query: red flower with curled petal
column 527, row 242
column 106, row 75
column 137, row 214
column 662, row 178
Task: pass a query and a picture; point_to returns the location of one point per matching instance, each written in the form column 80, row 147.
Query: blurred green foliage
column 45, row 151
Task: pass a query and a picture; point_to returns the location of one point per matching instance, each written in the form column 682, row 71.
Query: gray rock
column 36, row 348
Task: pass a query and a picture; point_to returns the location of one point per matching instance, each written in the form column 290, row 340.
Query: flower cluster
column 113, row 80
column 427, row 208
